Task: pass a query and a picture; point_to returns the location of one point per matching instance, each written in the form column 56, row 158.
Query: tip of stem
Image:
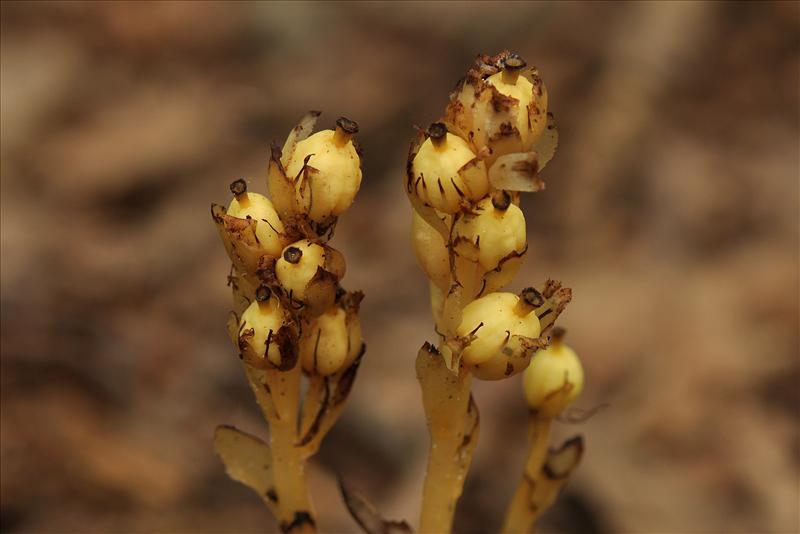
column 292, row 254
column 501, row 200
column 239, row 187
column 345, row 128
column 348, row 126
column 532, row 297
column 437, row 132
column 514, row 62
column 263, row 294
column 512, row 66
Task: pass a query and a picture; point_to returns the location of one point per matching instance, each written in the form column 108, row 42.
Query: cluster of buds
column 291, row 313
column 464, row 178
column 285, row 276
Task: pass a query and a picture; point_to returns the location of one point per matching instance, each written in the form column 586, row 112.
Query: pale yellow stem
column 545, row 495
column 444, row 482
column 453, row 424
column 522, row 512
column 294, row 507
column 277, row 393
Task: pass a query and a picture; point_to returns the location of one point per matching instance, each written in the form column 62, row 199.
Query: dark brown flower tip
column 532, row 297
column 430, row 349
column 558, row 333
column 292, row 254
column 340, row 292
column 263, row 293
column 514, row 62
column 501, row 200
column 239, row 187
column 437, row 132
column 345, row 128
column 347, row 125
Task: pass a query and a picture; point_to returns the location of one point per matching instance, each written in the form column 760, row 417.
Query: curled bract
column 562, row 461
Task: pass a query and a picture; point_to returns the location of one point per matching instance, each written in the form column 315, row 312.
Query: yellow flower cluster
column 291, row 315
column 283, row 268
column 464, row 178
column 292, row 318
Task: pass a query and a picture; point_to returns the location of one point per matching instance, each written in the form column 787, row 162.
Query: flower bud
column 554, row 378
column 529, row 93
column 492, row 232
column 331, row 342
column 445, row 173
column 316, row 176
column 309, row 273
column 269, row 228
column 431, row 251
column 259, row 330
column 503, row 331
column 501, row 106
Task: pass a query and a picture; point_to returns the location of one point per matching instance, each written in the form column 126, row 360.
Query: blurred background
column 671, row 210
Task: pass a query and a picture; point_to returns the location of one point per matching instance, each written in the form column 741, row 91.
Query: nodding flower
column 554, row 378
column 292, row 320
column 500, row 331
column 316, row 176
column 259, row 327
column 501, row 106
column 269, row 228
column 445, row 173
column 332, row 341
column 309, row 274
column 491, row 232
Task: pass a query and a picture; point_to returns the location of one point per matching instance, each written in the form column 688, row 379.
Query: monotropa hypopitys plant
column 464, row 177
column 291, row 316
